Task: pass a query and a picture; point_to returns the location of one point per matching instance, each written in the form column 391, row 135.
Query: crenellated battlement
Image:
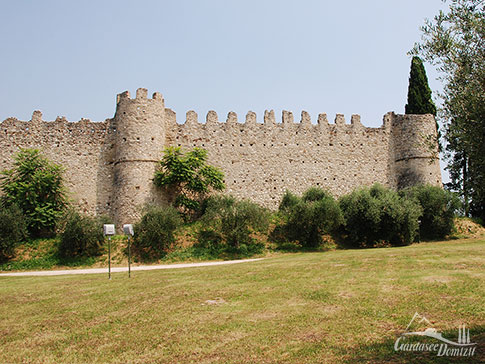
column 110, row 164
column 287, row 120
column 141, row 96
column 36, row 124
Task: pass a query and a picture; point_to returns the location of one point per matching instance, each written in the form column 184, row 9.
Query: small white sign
column 108, row 229
column 128, row 229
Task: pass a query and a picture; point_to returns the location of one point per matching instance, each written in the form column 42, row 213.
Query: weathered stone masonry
column 110, row 164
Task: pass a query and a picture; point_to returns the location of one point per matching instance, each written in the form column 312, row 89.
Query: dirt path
column 123, row 269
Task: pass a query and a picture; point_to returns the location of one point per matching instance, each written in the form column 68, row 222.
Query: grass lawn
column 343, row 306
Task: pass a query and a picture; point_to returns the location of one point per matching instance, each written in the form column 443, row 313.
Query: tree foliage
column 187, row 177
column 155, row 232
column 379, row 215
column 454, row 42
column 419, row 93
column 439, row 209
column 307, row 218
column 81, row 236
column 12, row 230
column 231, row 223
column 35, row 185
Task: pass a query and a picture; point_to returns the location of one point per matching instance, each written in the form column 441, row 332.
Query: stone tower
column 415, row 149
column 139, row 129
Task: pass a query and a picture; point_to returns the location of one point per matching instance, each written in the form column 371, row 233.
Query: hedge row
column 368, row 216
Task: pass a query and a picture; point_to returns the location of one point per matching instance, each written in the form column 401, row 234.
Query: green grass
column 344, row 306
column 42, row 254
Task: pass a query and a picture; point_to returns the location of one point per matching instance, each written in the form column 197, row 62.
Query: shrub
column 439, row 208
column 155, row 232
column 35, row 185
column 188, row 178
column 378, row 215
column 210, row 240
column 307, row 218
column 229, row 225
column 314, row 194
column 12, row 230
column 81, row 236
column 288, row 201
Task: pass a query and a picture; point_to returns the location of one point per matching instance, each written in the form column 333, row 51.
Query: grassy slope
column 334, row 307
column 42, row 254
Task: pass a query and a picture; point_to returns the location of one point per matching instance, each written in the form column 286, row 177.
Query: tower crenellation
column 340, row 119
column 110, row 164
column 212, row 117
column 269, row 118
column 322, row 119
column 305, row 119
column 251, row 118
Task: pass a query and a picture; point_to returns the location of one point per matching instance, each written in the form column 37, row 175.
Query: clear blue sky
column 71, row 58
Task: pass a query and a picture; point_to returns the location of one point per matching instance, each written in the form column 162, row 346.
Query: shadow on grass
column 383, row 352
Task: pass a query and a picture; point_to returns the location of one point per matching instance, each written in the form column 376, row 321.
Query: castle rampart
column 110, row 164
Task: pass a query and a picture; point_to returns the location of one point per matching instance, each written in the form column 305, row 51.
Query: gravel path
column 123, row 269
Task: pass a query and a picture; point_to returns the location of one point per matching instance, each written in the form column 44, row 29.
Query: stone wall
column 261, row 160
column 83, row 148
column 110, row 164
column 415, row 150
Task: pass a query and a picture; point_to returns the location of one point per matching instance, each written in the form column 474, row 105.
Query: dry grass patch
column 334, row 307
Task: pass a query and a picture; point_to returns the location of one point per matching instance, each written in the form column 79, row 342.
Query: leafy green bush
column 229, row 225
column 81, row 236
column 288, row 201
column 187, row 178
column 210, row 240
column 378, row 215
column 439, row 208
column 307, row 218
column 314, row 194
column 155, row 232
column 35, row 185
column 12, row 230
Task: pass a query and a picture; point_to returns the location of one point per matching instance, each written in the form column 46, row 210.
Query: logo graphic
column 446, row 347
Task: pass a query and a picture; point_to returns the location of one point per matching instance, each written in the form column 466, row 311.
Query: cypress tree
column 419, row 93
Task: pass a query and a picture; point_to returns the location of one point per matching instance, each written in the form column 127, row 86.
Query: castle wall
column 110, row 165
column 82, row 148
column 261, row 160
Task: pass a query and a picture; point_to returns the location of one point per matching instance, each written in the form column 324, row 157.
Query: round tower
column 139, row 128
column 415, row 150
